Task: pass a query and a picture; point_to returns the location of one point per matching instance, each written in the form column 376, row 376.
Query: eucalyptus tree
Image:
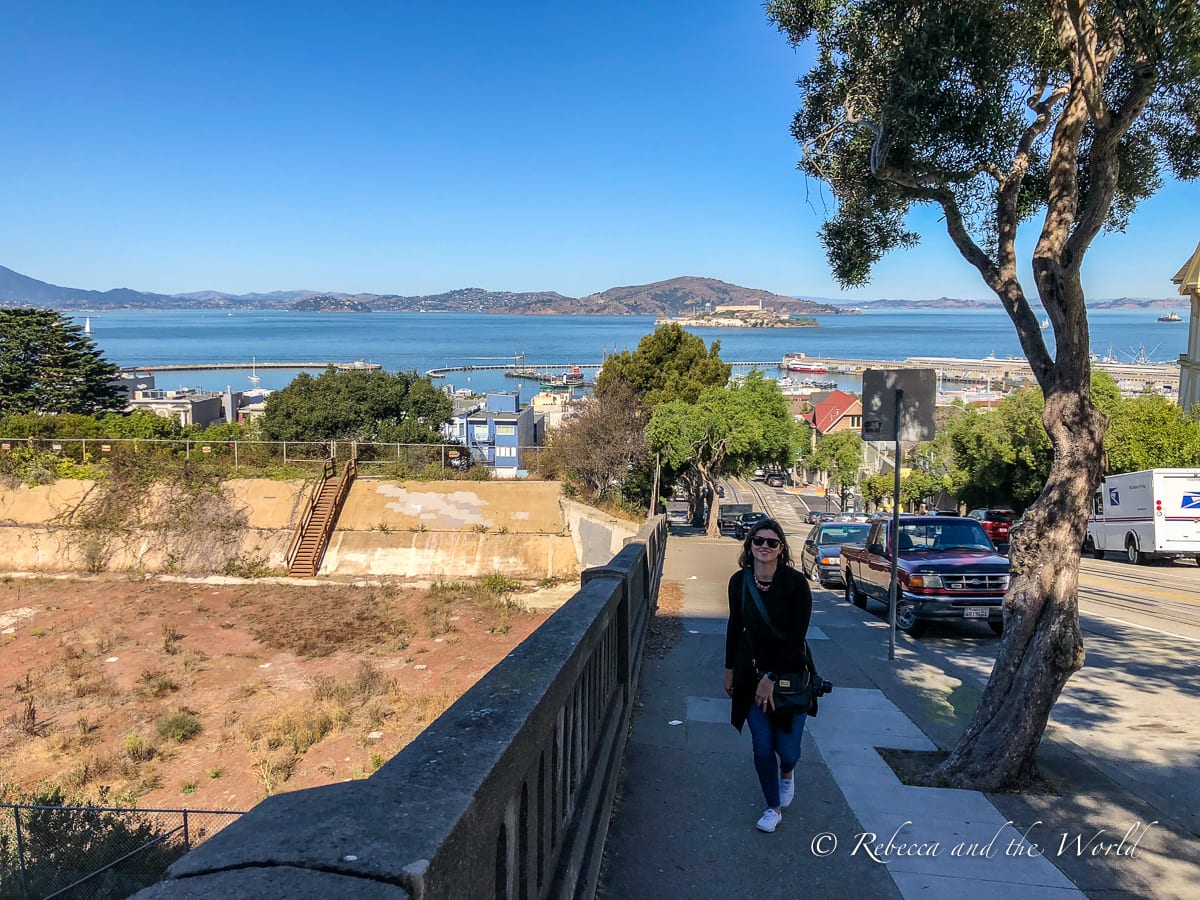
column 1062, row 114
column 48, row 365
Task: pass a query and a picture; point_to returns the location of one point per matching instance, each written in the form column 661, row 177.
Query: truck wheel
column 1132, row 553
column 907, row 621
column 853, row 594
column 1089, row 546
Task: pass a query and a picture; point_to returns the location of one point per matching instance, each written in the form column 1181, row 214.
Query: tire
column 1132, row 553
column 997, row 628
column 815, row 574
column 907, row 621
column 1089, row 546
column 853, row 594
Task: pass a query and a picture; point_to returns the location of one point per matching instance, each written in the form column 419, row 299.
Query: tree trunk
column 1042, row 645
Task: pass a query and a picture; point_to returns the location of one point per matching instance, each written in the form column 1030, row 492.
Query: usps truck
column 1147, row 515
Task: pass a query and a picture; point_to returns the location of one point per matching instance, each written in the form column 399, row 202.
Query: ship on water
column 1170, row 317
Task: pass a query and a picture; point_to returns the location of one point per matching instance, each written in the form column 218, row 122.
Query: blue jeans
column 769, row 742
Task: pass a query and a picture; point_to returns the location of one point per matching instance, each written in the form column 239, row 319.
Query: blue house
column 503, row 433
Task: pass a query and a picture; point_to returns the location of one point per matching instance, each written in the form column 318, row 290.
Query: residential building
column 503, row 433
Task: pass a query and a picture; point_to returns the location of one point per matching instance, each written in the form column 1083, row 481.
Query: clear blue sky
column 417, row 147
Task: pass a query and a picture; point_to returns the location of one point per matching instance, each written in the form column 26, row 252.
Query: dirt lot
column 213, row 695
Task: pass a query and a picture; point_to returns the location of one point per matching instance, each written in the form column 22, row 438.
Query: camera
column 822, row 686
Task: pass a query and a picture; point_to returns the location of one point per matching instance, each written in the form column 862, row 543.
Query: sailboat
column 254, row 379
column 87, row 325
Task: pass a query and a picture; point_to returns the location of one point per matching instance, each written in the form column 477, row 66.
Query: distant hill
column 684, row 296
column 940, row 303
column 677, row 297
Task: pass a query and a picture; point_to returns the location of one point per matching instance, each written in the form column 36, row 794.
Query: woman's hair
column 785, row 553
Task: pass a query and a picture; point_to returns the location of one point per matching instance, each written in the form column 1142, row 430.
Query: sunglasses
column 772, row 543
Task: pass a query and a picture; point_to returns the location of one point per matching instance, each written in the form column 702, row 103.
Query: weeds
column 156, row 684
column 136, row 748
column 188, row 788
column 179, row 727
column 171, row 637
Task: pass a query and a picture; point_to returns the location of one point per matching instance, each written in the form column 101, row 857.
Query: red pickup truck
column 946, row 568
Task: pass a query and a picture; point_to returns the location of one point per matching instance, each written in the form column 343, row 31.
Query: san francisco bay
column 422, row 341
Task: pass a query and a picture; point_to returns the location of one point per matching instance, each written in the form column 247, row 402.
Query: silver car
column 821, row 555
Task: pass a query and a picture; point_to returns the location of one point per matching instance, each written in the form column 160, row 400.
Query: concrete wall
column 449, row 529
column 598, row 537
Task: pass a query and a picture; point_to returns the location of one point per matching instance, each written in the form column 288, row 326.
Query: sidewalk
column 683, row 826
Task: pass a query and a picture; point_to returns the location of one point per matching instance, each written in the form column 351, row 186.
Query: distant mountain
column 940, row 303
column 676, row 297
column 685, row 296
column 16, row 289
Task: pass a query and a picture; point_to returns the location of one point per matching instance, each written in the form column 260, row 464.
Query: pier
column 356, row 366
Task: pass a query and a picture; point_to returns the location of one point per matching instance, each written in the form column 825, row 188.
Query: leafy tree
column 1004, row 453
column 1149, row 432
column 992, row 114
column 840, row 454
column 668, row 364
column 918, row 485
column 357, row 405
column 48, row 365
column 601, row 446
column 876, row 488
column 725, row 430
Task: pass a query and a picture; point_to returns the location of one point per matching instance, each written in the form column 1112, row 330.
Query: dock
column 356, row 366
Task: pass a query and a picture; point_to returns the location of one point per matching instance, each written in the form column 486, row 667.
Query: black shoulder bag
column 795, row 692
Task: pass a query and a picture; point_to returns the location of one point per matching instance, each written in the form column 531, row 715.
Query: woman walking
column 757, row 649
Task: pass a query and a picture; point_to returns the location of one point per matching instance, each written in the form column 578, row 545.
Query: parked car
column 812, row 517
column 746, row 521
column 775, row 480
column 821, row 554
column 946, row 568
column 996, row 523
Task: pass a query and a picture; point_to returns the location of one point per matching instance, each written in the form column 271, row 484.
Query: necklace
column 763, row 585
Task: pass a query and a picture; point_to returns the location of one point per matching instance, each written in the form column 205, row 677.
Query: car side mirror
column 808, row 543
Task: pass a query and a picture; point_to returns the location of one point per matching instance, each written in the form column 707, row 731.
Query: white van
column 1147, row 515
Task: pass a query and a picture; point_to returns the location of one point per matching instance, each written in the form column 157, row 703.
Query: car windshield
column 1000, row 515
column 963, row 534
column 842, row 534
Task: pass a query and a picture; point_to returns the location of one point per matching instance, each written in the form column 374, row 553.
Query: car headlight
column 829, row 560
column 925, row 581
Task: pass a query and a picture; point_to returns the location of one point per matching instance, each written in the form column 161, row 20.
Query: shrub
column 179, row 727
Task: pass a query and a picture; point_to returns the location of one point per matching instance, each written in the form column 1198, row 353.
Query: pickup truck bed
column 946, row 568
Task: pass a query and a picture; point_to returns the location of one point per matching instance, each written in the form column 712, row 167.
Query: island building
column 1188, row 279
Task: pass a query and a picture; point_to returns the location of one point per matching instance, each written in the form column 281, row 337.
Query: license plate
column 976, row 612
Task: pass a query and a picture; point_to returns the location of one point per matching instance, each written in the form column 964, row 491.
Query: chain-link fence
column 379, row 459
column 92, row 852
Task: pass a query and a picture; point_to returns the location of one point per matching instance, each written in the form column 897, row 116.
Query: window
column 510, row 452
column 506, row 429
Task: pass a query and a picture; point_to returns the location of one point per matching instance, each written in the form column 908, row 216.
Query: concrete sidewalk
column 683, row 826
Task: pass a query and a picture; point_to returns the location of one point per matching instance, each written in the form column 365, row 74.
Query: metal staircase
column 324, row 504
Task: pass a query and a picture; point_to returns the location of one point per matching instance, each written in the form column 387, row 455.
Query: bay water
column 423, row 341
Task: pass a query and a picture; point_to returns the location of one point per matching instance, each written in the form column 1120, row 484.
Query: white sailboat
column 87, row 325
column 254, row 379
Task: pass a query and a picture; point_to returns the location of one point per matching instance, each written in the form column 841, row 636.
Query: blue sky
column 417, row 147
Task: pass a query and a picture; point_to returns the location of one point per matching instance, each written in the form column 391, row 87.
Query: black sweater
column 751, row 648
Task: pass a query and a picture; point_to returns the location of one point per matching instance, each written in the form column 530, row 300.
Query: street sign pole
column 895, row 533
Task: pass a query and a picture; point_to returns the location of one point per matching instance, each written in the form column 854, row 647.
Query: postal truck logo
column 1114, row 497
column 1191, row 500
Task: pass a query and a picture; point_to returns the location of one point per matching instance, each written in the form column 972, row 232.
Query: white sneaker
column 769, row 820
column 787, row 791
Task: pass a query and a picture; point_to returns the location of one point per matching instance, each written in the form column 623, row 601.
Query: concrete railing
column 507, row 794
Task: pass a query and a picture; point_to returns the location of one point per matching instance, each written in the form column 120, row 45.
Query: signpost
column 898, row 405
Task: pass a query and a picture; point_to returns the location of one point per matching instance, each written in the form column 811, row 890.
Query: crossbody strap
column 749, row 588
